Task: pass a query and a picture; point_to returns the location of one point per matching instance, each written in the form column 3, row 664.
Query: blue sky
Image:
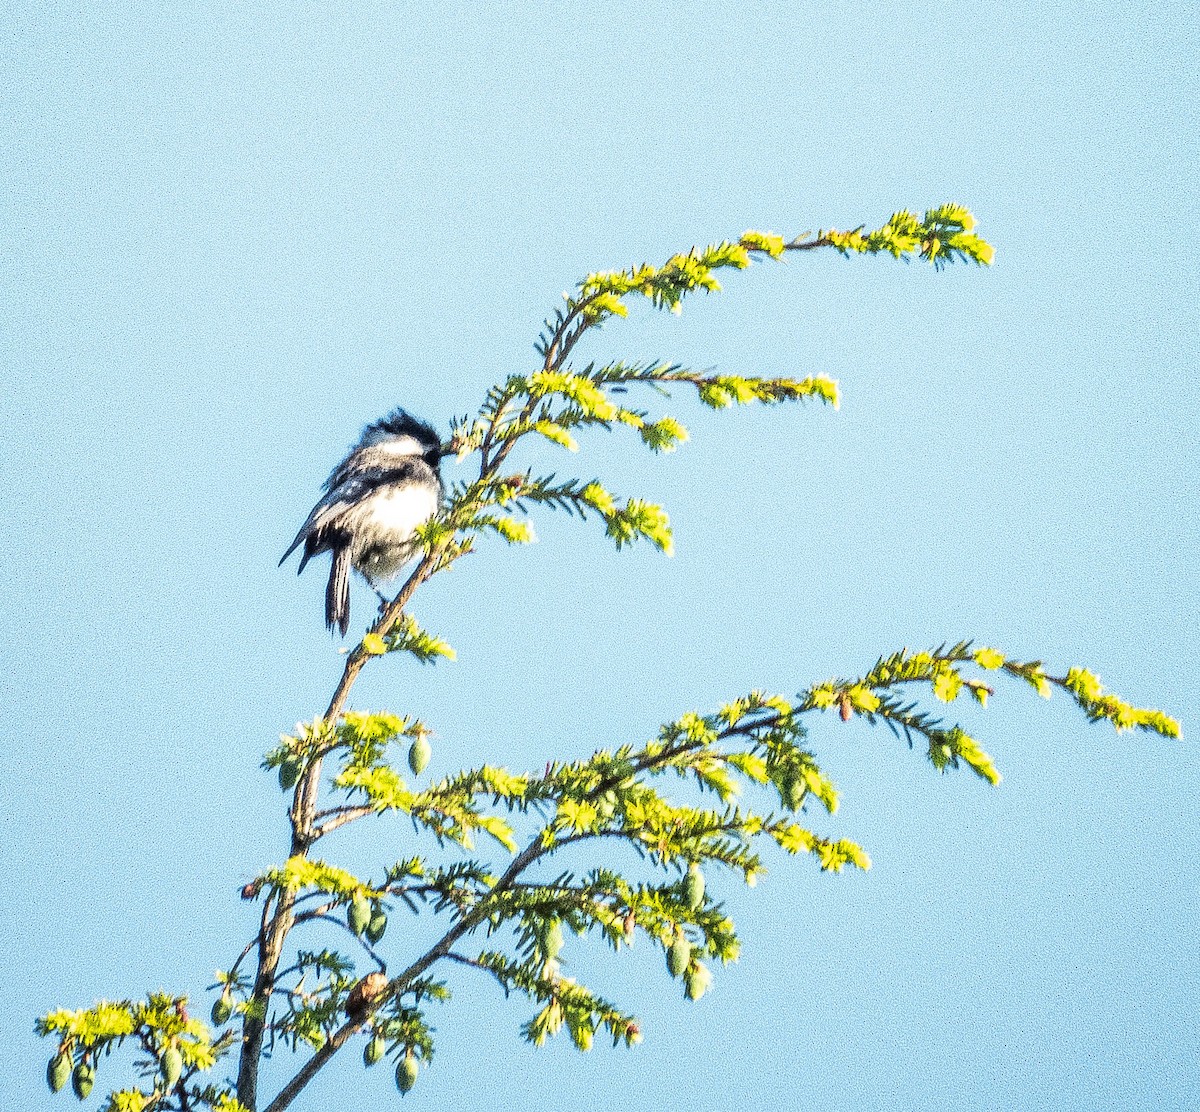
column 230, row 235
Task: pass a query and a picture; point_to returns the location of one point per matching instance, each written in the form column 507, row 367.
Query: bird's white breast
column 382, row 525
column 399, row 510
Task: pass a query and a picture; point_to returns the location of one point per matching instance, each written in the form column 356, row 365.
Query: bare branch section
column 706, row 794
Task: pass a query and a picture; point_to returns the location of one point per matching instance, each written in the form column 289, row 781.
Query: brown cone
column 363, row 993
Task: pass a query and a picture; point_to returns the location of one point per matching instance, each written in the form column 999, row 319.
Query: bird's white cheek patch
column 399, row 446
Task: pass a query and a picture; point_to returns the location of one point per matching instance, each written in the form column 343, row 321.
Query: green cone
column 358, row 917
column 377, row 925
column 58, row 1072
column 170, row 1065
column 82, row 1079
column 406, row 1073
column 693, row 887
column 222, row 1008
column 697, row 980
column 550, row 937
column 289, row 772
column 678, row 956
column 418, row 755
column 373, row 1051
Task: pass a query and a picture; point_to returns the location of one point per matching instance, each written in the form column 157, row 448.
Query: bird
column 389, row 483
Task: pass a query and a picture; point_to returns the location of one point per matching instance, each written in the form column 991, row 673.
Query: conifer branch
column 755, row 746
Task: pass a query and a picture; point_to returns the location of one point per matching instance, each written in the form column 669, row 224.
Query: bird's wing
column 320, row 531
column 315, row 532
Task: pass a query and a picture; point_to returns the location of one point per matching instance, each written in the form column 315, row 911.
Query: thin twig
column 340, row 816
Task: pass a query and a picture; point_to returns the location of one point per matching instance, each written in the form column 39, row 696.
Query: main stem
column 304, row 808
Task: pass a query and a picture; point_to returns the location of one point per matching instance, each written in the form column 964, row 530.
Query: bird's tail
column 337, row 593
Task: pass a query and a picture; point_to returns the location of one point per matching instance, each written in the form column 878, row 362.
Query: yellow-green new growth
column 876, row 695
column 944, row 235
column 709, row 794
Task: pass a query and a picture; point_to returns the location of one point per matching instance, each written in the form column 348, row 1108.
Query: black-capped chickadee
column 374, row 500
